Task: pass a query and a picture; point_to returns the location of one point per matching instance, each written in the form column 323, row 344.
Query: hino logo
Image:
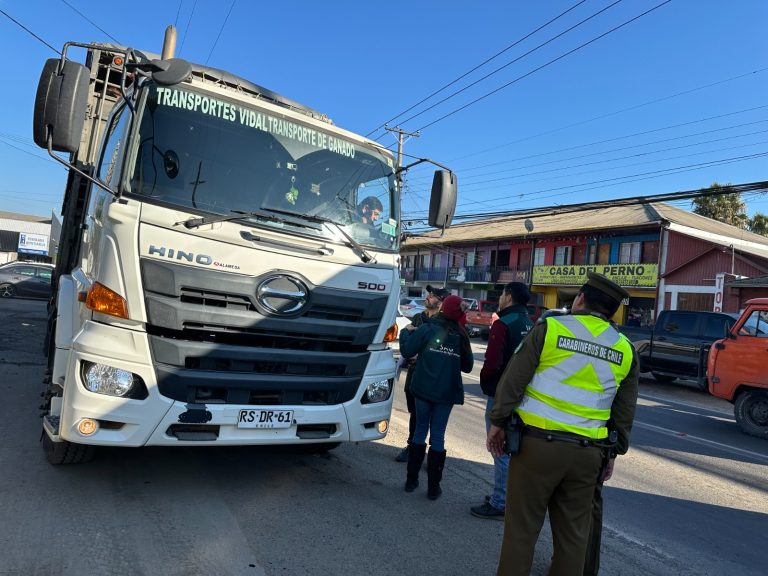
column 282, row 295
column 181, row 255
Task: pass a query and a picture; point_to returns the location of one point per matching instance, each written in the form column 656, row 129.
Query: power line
column 609, row 182
column 628, row 165
column 20, row 25
column 483, row 63
column 623, row 137
column 184, row 38
column 178, row 12
column 531, row 51
column 628, row 148
column 549, row 63
column 616, row 112
column 91, row 22
column 220, row 31
column 511, row 215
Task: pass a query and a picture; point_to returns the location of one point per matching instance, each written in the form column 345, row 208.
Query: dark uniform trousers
column 559, row 477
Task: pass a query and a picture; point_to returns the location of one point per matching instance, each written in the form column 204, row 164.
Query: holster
column 513, row 434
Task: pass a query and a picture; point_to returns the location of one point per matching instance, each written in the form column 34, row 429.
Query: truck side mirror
column 60, row 105
column 442, row 202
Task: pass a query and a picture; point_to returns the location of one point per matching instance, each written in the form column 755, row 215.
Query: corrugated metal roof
column 609, row 218
column 23, row 217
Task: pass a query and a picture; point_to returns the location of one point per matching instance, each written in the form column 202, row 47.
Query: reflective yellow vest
column 583, row 361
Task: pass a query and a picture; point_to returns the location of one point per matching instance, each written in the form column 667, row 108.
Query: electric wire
column 545, row 65
column 91, row 22
column 20, row 25
column 223, row 24
column 531, row 51
column 615, row 112
column 483, row 63
column 617, row 138
column 189, row 21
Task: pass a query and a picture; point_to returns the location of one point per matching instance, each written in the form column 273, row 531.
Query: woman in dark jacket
column 442, row 345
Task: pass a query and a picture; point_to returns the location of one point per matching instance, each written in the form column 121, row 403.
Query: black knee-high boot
column 435, row 465
column 415, row 460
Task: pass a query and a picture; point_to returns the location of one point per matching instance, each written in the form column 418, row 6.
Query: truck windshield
column 216, row 156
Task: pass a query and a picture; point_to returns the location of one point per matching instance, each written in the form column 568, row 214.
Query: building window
column 538, row 256
column 592, row 254
column 562, row 256
column 629, row 253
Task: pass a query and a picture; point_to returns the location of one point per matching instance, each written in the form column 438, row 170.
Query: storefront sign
column 33, row 243
column 456, row 274
column 623, row 274
column 719, row 289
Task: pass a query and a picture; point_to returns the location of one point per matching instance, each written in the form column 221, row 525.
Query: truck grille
column 211, row 342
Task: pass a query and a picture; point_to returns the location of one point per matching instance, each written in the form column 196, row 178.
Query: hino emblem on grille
column 282, row 294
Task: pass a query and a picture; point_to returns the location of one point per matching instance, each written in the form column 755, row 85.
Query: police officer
column 572, row 382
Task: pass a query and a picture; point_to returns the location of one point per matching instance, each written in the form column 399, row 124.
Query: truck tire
column 66, row 452
column 663, row 377
column 751, row 411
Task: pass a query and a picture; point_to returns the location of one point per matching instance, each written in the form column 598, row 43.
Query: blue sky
column 674, row 100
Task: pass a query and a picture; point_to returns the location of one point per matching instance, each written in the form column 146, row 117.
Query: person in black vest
column 506, row 334
column 444, row 352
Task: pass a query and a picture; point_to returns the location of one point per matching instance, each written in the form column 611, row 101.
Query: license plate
column 258, row 418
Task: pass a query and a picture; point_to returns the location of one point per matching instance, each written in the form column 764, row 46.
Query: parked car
column 678, row 344
column 736, row 368
column 412, row 306
column 479, row 321
column 28, row 279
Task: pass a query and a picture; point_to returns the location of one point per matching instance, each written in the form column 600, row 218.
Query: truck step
column 51, row 426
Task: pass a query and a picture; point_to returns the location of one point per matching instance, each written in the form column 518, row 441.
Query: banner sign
column 642, row 275
column 33, row 243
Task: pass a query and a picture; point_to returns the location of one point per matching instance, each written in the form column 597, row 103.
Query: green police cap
column 606, row 286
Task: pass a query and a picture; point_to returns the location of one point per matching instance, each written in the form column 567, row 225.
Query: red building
column 666, row 257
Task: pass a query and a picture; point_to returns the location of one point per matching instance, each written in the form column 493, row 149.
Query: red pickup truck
column 479, row 321
column 736, row 368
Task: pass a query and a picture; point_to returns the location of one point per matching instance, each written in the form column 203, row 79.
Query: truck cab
column 736, row 368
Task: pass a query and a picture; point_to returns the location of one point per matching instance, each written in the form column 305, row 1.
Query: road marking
column 699, row 440
column 668, row 401
column 625, row 536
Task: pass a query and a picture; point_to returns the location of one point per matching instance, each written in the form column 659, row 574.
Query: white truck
column 228, row 271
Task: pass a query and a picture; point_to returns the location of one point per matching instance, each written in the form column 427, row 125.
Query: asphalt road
column 688, row 499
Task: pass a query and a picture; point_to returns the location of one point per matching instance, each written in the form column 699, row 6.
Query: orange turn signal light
column 391, row 334
column 102, row 299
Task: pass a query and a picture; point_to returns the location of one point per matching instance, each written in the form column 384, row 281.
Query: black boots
column 435, row 465
column 415, row 460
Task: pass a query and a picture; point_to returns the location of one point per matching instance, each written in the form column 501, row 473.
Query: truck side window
column 755, row 325
column 111, row 157
column 680, row 323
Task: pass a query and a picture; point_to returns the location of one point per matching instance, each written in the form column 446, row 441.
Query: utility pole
column 400, row 141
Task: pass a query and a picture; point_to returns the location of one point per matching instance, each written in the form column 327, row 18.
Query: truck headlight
column 378, row 391
column 103, row 379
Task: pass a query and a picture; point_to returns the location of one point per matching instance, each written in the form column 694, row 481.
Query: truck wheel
column 663, row 377
column 66, row 452
column 751, row 411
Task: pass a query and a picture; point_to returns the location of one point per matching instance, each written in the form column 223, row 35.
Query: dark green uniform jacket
column 444, row 352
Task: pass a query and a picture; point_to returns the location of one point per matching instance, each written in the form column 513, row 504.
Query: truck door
column 742, row 359
column 675, row 346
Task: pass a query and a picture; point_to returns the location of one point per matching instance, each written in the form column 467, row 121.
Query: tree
column 759, row 224
column 728, row 208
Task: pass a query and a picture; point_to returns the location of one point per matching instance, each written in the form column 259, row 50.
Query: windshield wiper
column 352, row 243
column 239, row 215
